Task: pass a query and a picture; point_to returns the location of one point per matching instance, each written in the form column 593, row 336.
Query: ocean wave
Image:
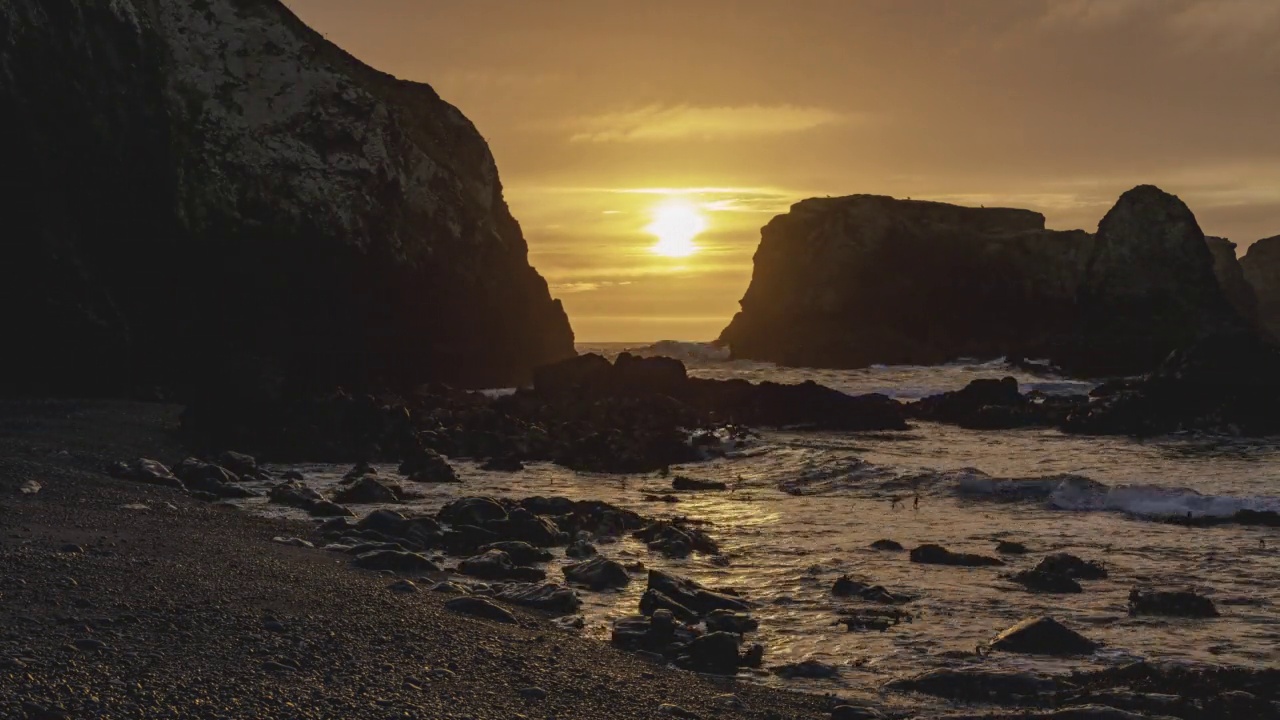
column 1078, row 493
column 698, row 352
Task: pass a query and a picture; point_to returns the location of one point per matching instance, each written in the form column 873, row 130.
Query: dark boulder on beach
column 212, row 197
column 597, row 573
column 693, row 596
column 865, row 279
column 930, row 554
column 497, row 565
column 396, row 561
column 976, row 685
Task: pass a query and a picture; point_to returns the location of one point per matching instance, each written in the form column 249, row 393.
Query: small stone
column 71, row 549
column 276, row 667
column 887, row 545
column 90, row 644
column 677, row 711
column 479, row 607
column 30, row 487
column 403, row 586
column 1008, row 547
column 440, row 674
column 533, row 693
column 274, row 626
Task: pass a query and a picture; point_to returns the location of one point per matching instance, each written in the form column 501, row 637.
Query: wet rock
column 365, row 491
column 731, row 622
column 294, row 542
column 986, row 404
column 887, row 545
column 521, row 553
column 238, row 463
column 846, row 586
column 693, row 596
column 1171, row 603
column 681, row 482
column 853, row 712
column 811, row 669
column 525, row 526
column 1046, row 582
column 508, row 464
column 395, row 560
column 148, row 471
column 1043, row 636
column 863, row 619
column 652, row 602
column 200, row 475
column 476, row 511
column 295, row 494
column 1008, row 547
column 597, row 573
column 937, row 555
column 497, row 565
column 481, row 608
column 676, row 711
column 1073, row 567
column 448, row 587
column 548, row 597
column 468, row 539
column 715, row 652
column 428, row 466
column 676, row 539
column 580, row 549
column 659, row 634
column 403, row 587
column 976, row 685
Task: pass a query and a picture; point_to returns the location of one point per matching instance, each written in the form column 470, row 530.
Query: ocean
column 806, row 507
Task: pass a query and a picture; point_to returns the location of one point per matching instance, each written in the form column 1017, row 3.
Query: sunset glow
column 676, row 223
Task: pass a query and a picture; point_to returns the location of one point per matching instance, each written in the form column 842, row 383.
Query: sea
column 806, row 506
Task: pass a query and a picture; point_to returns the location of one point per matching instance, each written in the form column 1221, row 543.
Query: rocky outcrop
column 860, row 280
column 196, row 190
column 1229, row 271
column 1261, row 265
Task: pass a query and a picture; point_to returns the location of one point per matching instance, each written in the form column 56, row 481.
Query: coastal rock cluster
column 864, row 279
column 203, row 195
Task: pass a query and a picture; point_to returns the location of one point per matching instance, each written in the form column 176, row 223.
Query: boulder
column 1042, row 581
column 548, row 597
column 1229, row 271
column 730, row 622
column 1261, row 267
column 396, row 561
column 810, row 669
column 653, row 601
column 931, row 554
column 472, row 511
column 295, row 494
column 845, row 586
column 144, row 470
column 715, row 652
column 238, row 463
column 1171, row 603
column 976, row 685
column 521, row 553
column 887, row 545
column 497, row 565
column 691, row 595
column 597, row 573
column 1069, row 565
column 580, row 549
column 1043, row 636
column 359, row 218
column 481, row 608
column 1008, row 547
column 425, row 465
column 365, row 491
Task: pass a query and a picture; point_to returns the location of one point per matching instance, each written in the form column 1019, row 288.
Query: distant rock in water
column 865, row 279
column 196, row 190
column 1261, row 265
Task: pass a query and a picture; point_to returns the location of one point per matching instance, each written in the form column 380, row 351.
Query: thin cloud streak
column 656, row 123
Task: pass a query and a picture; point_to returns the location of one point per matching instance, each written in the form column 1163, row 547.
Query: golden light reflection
column 676, row 223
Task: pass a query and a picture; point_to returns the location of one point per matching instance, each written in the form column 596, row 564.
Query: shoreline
column 190, row 610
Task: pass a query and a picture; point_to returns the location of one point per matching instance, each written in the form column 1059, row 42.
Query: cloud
column 686, row 122
column 1094, row 14
column 581, row 287
column 1227, row 22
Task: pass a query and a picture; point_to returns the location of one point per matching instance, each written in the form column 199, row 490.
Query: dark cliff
column 861, row 280
column 1261, row 264
column 208, row 188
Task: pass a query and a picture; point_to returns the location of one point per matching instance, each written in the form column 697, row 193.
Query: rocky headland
column 862, row 280
column 201, row 195
column 1261, row 265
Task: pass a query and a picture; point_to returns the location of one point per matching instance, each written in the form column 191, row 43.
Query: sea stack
column 862, row 280
column 1261, row 265
column 196, row 190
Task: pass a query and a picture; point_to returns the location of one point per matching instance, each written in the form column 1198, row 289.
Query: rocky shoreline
column 134, row 599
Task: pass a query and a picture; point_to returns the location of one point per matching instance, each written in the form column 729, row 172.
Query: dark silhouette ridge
column 864, row 279
column 1261, row 266
column 209, row 193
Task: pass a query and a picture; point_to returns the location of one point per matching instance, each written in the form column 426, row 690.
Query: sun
column 676, row 223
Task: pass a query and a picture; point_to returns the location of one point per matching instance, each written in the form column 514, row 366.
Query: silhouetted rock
column 887, row 545
column 976, row 685
column 481, row 608
column 548, row 597
column 396, row 561
column 1174, row 603
column 366, row 490
column 1009, row 547
column 211, row 195
column 1230, row 275
column 1069, row 565
column 497, row 565
column 1043, row 636
column 1038, row 580
column 1148, row 288
column 597, row 573
column 1261, row 267
column 862, row 280
column 930, row 554
column 1223, row 384
column 689, row 594
column 687, row 483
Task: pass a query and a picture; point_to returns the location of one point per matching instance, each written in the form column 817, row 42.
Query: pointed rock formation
column 201, row 189
column 1148, row 287
column 1261, row 265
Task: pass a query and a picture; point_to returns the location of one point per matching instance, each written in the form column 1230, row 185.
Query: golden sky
column 598, row 111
